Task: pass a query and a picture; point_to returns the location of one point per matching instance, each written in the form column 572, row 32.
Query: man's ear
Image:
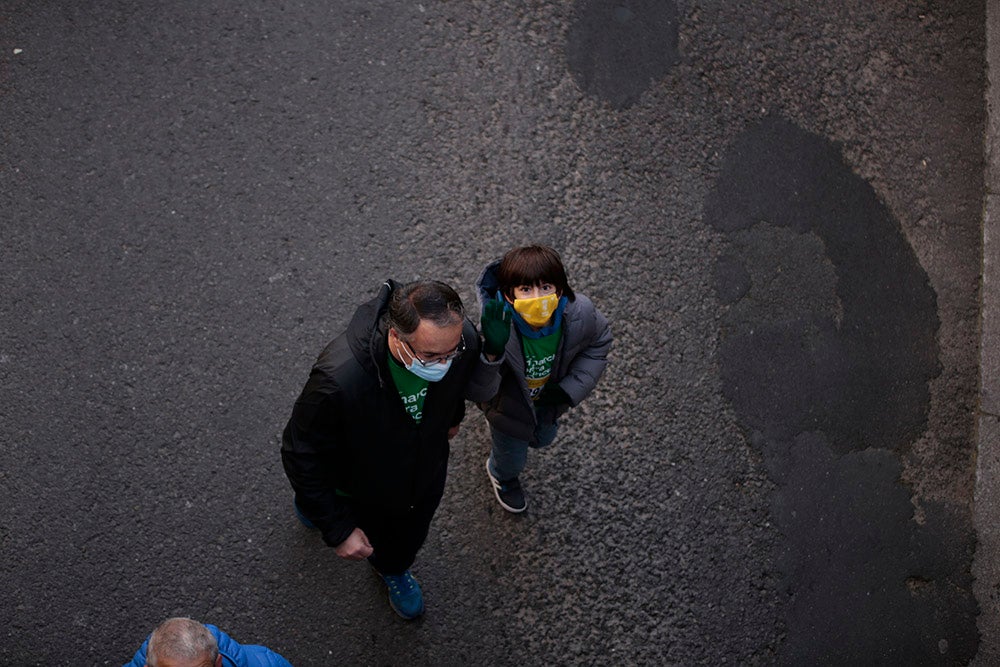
column 218, row 660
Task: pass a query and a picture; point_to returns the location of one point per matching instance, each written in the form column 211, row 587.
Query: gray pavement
column 778, row 205
column 987, row 564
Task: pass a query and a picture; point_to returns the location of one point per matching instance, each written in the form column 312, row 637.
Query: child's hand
column 552, row 394
column 496, row 327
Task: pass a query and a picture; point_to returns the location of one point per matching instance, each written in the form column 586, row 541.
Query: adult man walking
column 366, row 448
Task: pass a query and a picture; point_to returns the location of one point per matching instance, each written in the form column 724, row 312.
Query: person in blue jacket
column 183, row 642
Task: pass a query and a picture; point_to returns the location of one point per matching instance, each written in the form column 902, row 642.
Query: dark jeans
column 396, row 538
column 509, row 455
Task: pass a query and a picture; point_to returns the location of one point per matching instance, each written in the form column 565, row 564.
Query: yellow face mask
column 538, row 310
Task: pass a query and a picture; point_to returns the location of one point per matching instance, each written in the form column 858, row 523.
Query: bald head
column 182, row 642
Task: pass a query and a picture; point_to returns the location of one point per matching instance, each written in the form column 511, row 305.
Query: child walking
column 557, row 351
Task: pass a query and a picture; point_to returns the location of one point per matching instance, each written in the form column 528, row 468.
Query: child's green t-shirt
column 539, row 353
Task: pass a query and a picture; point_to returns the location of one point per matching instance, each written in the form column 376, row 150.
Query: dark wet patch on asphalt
column 827, row 349
column 615, row 50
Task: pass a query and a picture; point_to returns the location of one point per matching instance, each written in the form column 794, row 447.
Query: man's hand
column 495, row 323
column 355, row 547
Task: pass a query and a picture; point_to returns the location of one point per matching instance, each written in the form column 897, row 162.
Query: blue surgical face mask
column 431, row 372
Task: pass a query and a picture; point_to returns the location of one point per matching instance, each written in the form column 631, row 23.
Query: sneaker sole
column 404, row 616
column 495, row 485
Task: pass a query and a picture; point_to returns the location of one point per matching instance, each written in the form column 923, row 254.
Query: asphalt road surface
column 777, row 204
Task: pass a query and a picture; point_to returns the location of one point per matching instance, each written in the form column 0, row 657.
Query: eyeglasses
column 454, row 354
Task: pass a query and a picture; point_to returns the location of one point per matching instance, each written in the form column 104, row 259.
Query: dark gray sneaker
column 509, row 493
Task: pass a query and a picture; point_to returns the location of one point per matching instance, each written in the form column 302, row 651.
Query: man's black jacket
column 349, row 439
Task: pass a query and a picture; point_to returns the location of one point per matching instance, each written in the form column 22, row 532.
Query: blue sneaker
column 302, row 517
column 405, row 596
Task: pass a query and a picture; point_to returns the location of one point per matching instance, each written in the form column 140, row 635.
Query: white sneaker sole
column 495, row 484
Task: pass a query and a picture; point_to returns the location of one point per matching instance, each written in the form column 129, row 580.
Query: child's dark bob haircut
column 531, row 265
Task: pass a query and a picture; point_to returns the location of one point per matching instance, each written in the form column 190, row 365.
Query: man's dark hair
column 423, row 300
column 531, row 265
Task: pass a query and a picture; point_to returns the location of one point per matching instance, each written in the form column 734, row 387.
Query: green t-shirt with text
column 539, row 353
column 412, row 389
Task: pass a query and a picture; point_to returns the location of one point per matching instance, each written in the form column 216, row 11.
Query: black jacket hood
column 366, row 332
